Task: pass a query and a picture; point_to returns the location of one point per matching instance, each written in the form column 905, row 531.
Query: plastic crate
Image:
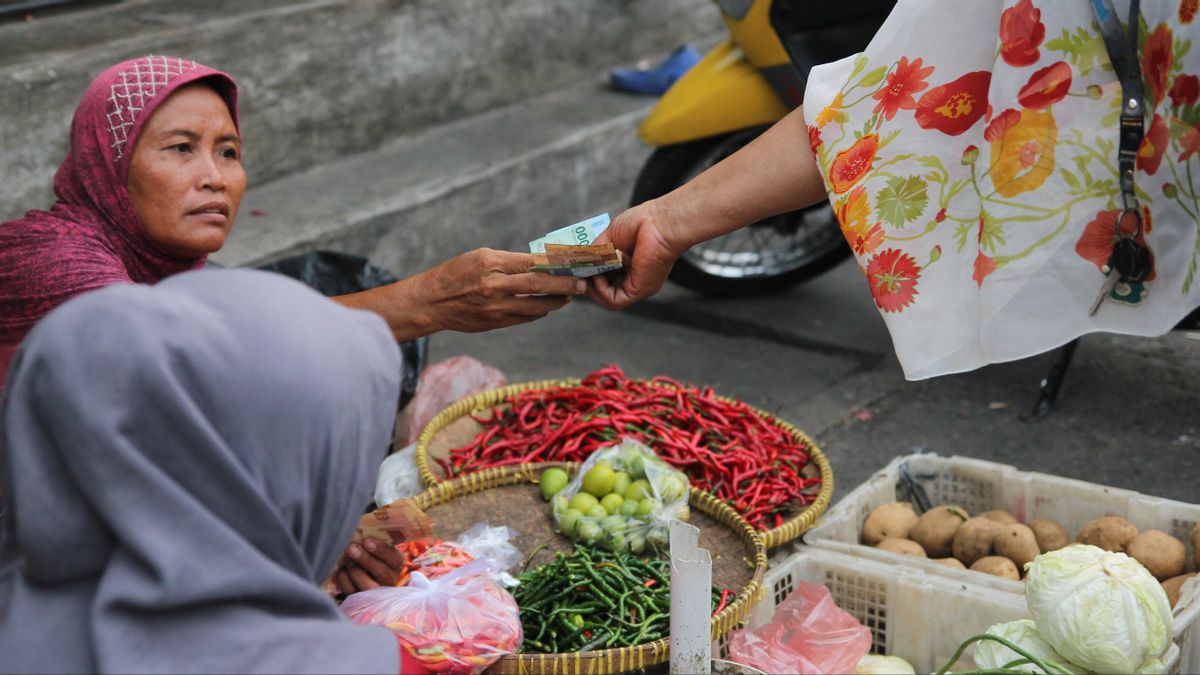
column 979, row 486
column 922, row 619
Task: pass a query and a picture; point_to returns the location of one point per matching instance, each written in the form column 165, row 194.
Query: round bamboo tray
column 454, row 427
column 509, row 496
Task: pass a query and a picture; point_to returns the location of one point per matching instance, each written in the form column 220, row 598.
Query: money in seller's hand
column 569, row 251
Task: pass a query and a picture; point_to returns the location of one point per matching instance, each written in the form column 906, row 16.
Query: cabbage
column 874, row 664
column 990, row 654
column 1102, row 611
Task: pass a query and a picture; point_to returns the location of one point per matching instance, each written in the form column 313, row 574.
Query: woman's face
column 185, row 177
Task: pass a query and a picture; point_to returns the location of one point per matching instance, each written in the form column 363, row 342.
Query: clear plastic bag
column 809, row 633
column 493, row 543
column 461, row 622
column 661, row 497
column 448, row 381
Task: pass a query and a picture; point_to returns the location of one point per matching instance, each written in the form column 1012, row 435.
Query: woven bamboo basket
column 510, row 496
column 454, row 427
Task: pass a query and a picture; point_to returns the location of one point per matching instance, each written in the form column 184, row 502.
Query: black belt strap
column 1123, row 53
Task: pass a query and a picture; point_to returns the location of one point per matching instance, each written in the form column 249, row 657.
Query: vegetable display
column 723, row 446
column 595, row 599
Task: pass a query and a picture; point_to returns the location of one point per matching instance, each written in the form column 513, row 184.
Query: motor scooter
column 735, row 92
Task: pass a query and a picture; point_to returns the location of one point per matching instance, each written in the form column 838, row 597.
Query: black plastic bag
column 332, row 273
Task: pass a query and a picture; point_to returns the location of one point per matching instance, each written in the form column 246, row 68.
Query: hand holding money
column 569, row 251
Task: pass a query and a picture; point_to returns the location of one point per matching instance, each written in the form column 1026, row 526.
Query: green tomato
column 577, row 620
column 628, row 508
column 639, row 490
column 647, row 506
column 670, row 487
column 621, row 483
column 599, row 480
column 615, row 542
column 582, row 501
column 613, row 524
column 635, row 465
column 637, row 543
column 552, row 481
column 568, row 520
column 559, row 504
column 612, row 502
column 588, row 530
column 596, row 512
column 658, row 537
column 683, row 513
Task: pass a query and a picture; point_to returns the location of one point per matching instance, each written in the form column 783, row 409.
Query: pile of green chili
column 595, row 599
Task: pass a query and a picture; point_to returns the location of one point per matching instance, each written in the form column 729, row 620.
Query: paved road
column 820, row 357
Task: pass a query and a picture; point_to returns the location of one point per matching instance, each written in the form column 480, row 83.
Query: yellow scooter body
column 720, row 94
column 725, row 91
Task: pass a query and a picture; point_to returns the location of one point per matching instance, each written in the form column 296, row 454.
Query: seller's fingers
column 342, row 580
column 384, row 552
column 540, row 283
column 362, row 580
column 378, row 570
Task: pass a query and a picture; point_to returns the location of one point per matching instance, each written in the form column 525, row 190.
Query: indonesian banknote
column 569, row 251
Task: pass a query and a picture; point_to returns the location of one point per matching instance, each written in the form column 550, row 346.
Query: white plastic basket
column 922, row 619
column 979, row 486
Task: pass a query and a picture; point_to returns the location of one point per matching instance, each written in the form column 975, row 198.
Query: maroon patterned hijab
column 91, row 237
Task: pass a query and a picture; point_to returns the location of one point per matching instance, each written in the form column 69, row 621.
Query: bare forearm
column 399, row 305
column 774, row 174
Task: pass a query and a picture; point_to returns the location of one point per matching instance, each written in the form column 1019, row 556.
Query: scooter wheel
column 766, row 257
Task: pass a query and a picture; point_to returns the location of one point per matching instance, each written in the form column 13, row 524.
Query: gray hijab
column 183, row 464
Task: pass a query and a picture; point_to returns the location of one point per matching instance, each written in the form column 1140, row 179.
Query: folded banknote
column 569, row 251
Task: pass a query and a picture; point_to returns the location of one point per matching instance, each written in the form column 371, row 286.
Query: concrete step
column 322, row 78
column 499, row 179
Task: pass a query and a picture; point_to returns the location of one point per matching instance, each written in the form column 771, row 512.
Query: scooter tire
column 670, row 166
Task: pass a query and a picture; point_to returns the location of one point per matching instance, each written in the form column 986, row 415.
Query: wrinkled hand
column 485, row 289
column 366, row 564
column 645, row 235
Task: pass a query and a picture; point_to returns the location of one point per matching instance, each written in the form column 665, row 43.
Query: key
column 1110, row 281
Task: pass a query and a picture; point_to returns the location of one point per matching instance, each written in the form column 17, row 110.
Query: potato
column 1111, row 533
column 998, row 516
column 950, row 562
column 888, row 521
column 1174, row 585
column 902, row 546
column 1161, row 554
column 973, row 539
column 1050, row 535
column 997, row 566
column 935, row 529
column 1195, row 537
column 1017, row 543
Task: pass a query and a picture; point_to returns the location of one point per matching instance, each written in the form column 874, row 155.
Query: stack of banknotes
column 569, row 251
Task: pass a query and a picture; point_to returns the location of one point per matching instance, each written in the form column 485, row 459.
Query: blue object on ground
column 658, row 79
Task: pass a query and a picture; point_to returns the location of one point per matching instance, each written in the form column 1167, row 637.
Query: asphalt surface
column 819, row 356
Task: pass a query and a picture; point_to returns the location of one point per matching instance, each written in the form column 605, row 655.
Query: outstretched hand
column 645, row 235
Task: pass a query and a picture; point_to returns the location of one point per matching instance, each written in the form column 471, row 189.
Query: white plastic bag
column 398, row 477
column 492, row 543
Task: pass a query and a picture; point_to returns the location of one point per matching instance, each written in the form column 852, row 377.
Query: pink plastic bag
column 444, row 383
column 809, row 633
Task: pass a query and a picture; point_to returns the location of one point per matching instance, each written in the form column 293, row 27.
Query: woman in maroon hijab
column 151, row 186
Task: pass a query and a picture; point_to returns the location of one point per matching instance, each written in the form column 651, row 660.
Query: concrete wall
column 322, row 78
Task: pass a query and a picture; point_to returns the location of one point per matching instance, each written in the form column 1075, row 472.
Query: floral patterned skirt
column 970, row 155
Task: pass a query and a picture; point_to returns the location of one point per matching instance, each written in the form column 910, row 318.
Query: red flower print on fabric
column 814, row 139
column 1150, row 154
column 1186, row 90
column 954, row 107
column 1187, row 10
column 1157, row 58
column 984, row 265
column 893, row 276
column 1046, row 87
column 853, row 163
column 907, row 79
column 1190, row 143
column 1096, row 243
column 1001, row 123
column 1021, row 33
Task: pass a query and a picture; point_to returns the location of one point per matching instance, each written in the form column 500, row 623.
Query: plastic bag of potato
column 622, row 498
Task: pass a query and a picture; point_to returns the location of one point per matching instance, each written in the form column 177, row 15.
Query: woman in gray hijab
column 182, row 465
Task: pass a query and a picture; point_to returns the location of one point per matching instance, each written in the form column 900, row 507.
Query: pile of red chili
column 723, row 446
